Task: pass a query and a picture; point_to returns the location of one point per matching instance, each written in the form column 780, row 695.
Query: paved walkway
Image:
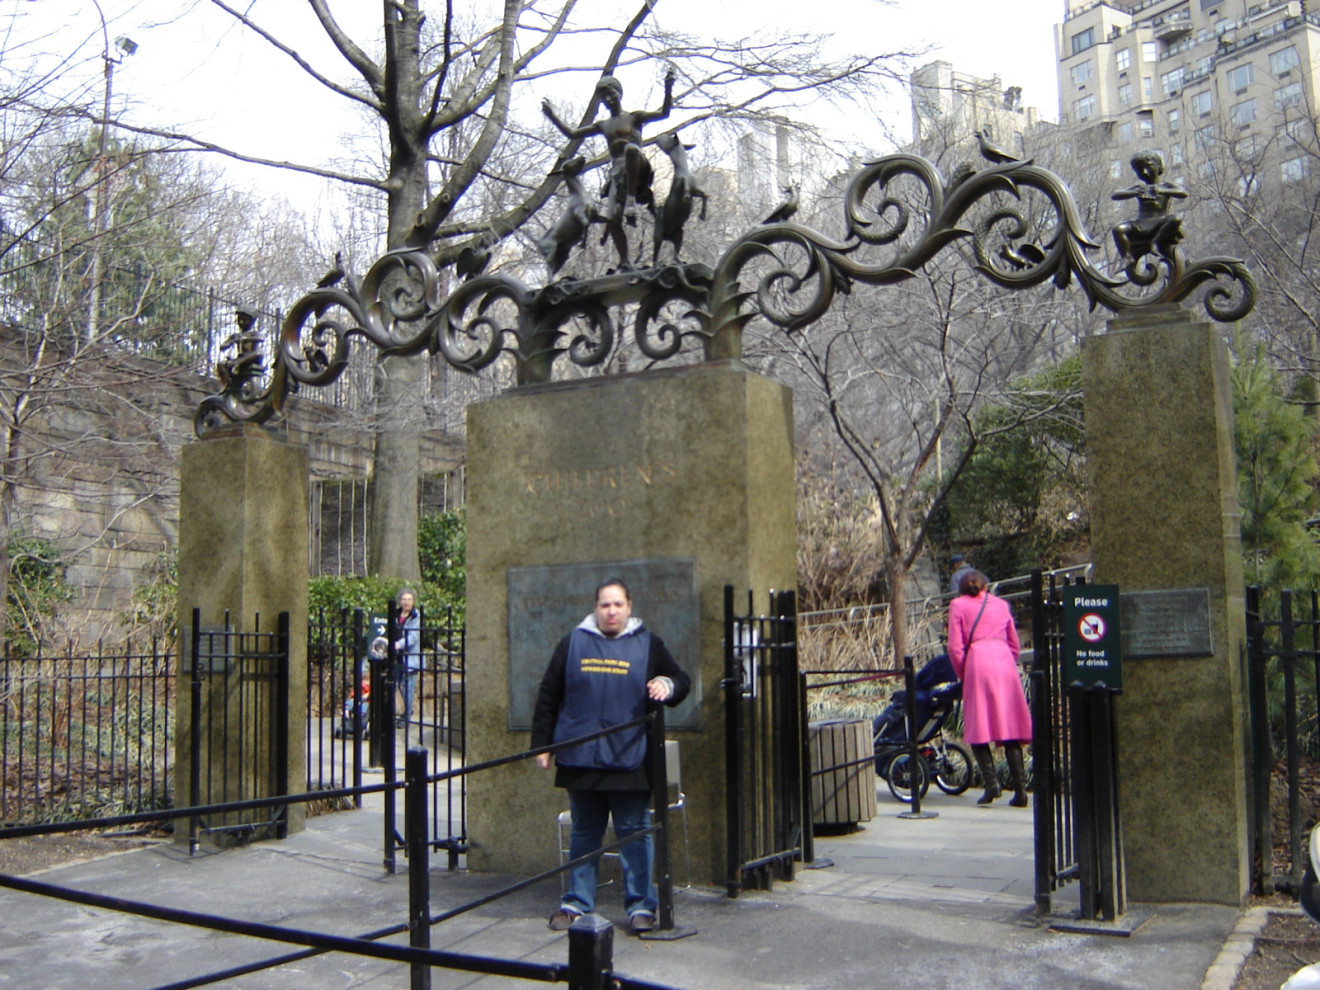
column 944, row 902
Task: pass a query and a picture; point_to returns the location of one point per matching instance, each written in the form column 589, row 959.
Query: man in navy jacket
column 604, row 673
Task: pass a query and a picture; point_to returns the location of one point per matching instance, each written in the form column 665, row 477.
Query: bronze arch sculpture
column 400, row 306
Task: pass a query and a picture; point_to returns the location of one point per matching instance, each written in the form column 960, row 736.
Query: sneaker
column 562, row 919
column 642, row 921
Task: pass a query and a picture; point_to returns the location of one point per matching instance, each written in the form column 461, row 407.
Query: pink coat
column 985, row 658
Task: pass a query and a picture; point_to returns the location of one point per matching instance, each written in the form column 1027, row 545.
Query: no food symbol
column 1092, row 627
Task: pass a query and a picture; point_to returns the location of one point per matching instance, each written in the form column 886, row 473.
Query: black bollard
column 590, row 953
column 419, row 862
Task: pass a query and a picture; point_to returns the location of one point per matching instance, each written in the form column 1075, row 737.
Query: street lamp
column 100, row 194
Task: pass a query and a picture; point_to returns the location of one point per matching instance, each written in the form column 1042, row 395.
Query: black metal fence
column 1051, row 745
column 86, row 734
column 767, row 794
column 356, row 719
column 590, row 940
column 1283, row 680
column 234, row 736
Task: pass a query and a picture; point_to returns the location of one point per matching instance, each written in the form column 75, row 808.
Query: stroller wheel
column 953, row 768
column 902, row 775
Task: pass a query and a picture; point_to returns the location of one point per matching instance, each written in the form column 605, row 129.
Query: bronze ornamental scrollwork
column 1019, row 220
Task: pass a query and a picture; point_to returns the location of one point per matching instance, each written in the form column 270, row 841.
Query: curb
column 1239, row 944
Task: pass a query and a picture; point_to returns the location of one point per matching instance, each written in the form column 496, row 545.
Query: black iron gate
column 237, row 725
column 354, row 720
column 767, row 822
column 1078, row 831
column 1283, row 680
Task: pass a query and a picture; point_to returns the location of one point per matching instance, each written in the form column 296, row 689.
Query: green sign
column 1091, row 654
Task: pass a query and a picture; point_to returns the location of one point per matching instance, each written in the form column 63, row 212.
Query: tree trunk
column 393, row 524
column 896, row 577
column 400, row 381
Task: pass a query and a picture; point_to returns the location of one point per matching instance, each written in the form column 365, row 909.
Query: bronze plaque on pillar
column 546, row 603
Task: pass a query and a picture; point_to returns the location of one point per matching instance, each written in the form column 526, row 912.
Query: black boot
column 1013, row 753
column 989, row 775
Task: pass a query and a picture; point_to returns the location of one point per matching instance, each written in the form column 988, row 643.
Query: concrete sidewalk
column 944, row 902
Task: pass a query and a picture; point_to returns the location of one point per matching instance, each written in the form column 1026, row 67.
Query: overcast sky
column 195, row 71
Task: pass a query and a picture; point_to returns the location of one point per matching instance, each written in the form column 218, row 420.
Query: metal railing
column 1283, row 682
column 85, row 733
column 590, row 941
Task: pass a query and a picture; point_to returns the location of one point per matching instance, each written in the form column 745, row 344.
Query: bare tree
column 88, row 444
column 453, row 167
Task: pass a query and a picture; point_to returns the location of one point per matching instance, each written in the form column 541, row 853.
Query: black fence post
column 917, row 772
column 281, row 741
column 590, row 953
column 788, row 768
column 195, row 733
column 733, row 691
column 1262, row 749
column 1042, row 746
column 1288, row 657
column 1110, row 869
column 387, row 748
column 804, row 756
column 358, row 728
column 1083, row 795
column 417, row 835
column 655, row 731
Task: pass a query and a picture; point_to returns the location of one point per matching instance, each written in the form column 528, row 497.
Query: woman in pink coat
column 983, row 646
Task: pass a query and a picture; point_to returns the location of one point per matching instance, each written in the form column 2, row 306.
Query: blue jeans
column 407, row 680
column 631, row 811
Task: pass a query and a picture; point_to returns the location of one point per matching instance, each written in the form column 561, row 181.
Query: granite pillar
column 242, row 551
column 658, row 471
column 1164, row 515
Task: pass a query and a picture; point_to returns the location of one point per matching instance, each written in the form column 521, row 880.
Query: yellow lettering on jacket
column 604, row 665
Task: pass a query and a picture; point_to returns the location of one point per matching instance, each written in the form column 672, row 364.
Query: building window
column 1115, row 169
column 1147, row 88
column 1208, row 4
column 1150, row 51
column 1240, row 78
column 1203, row 65
column 1206, row 169
column 1125, row 94
column 1175, row 121
column 1124, row 58
column 1085, row 107
column 1244, row 150
column 1283, row 62
column 1295, row 169
column 1295, row 133
column 1288, row 96
column 1125, row 132
column 1243, row 113
column 1176, row 154
column 1205, row 137
column 1083, row 40
column 1172, row 81
column 1082, row 72
column 1203, row 102
column 1248, row 185
column 1146, row 126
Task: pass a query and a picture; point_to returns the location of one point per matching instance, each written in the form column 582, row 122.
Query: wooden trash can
column 843, row 796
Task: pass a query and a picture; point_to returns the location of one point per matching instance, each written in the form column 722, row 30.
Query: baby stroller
column 938, row 692
column 356, row 713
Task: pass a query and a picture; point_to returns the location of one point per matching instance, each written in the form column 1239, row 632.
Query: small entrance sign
column 1091, row 638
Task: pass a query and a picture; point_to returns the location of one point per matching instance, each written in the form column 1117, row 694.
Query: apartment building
column 1204, row 81
column 948, row 106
